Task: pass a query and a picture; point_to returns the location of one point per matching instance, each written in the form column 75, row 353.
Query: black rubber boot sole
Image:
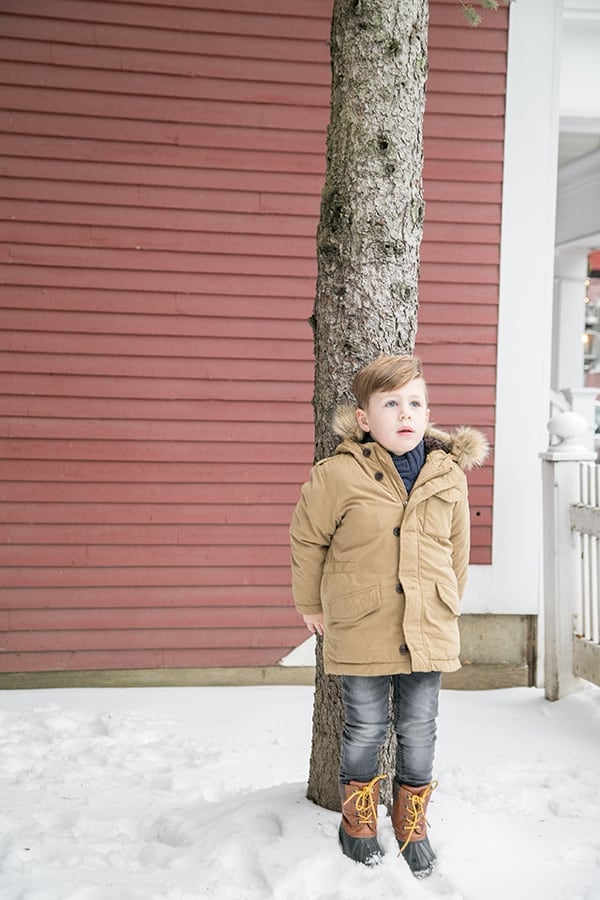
column 363, row 850
column 420, row 858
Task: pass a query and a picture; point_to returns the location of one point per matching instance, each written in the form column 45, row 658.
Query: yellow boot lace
column 416, row 810
column 364, row 804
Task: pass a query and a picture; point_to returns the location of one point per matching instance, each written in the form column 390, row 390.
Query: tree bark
column 368, row 244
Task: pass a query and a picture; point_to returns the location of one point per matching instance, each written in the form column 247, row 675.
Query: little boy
column 380, row 549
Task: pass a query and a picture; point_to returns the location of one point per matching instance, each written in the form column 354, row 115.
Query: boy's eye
column 415, row 403
column 391, row 403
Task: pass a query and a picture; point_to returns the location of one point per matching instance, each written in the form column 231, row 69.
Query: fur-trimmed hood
column 467, row 446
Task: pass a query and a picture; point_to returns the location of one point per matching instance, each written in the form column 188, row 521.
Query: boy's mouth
column 405, row 430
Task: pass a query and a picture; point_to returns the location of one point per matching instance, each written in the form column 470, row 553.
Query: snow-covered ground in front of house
column 185, row 793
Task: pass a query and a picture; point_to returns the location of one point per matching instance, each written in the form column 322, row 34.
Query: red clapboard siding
column 163, row 164
column 458, row 311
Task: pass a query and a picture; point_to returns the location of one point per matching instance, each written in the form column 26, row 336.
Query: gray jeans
column 367, row 714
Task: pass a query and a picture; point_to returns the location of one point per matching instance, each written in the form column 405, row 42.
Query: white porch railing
column 585, row 522
column 571, row 495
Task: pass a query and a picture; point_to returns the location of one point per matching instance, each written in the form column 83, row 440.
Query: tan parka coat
column 387, row 569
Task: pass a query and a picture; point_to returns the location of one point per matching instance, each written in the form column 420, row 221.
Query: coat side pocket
column 354, row 607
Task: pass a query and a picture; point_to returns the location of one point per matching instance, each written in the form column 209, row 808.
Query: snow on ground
column 185, row 793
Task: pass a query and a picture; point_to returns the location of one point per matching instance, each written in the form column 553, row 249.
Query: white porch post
column 569, row 318
column 562, row 558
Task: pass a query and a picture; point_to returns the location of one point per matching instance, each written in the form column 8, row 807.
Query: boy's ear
column 361, row 418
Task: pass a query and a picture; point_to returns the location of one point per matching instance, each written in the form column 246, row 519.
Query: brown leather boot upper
column 359, row 807
column 409, row 812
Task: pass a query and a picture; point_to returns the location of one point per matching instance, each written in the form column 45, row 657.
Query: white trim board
column 513, row 582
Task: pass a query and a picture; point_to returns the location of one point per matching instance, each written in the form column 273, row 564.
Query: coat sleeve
column 311, row 531
column 461, row 540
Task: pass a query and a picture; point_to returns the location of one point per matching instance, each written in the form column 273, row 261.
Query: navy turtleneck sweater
column 409, row 465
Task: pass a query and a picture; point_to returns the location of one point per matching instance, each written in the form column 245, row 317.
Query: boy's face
column 397, row 419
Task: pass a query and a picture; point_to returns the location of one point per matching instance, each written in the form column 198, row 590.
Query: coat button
column 378, row 476
column 397, row 531
column 403, row 649
column 399, row 588
column 366, row 451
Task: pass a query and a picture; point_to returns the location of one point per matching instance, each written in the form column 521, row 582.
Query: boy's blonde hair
column 385, row 374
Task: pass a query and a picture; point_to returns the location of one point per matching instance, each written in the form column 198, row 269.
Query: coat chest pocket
column 437, row 513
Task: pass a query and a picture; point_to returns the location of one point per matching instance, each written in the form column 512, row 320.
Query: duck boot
column 358, row 828
column 410, row 826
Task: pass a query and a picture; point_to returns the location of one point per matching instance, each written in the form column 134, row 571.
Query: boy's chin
column 399, row 448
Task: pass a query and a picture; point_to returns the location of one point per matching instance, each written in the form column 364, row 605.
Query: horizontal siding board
column 173, row 176
column 97, row 37
column 164, row 162
column 439, row 313
column 194, row 266
column 156, row 139
column 175, row 472
column 133, row 107
column 152, row 514
column 474, row 62
column 169, row 305
column 169, row 618
column 146, row 535
column 47, row 276
column 170, row 198
column 201, row 21
column 28, row 74
column 433, row 291
column 460, row 212
column 74, row 660
column 159, row 160
column 193, row 419
column 142, row 639
column 156, row 241
column 151, row 345
column 451, row 81
column 153, row 367
column 143, row 597
column 170, row 490
column 463, row 192
column 135, row 448
column 116, row 555
column 448, row 149
column 284, row 71
column 83, row 323
column 162, row 411
column 467, row 171
column 316, row 9
column 123, row 577
column 140, row 219
column 32, row 384
column 484, row 233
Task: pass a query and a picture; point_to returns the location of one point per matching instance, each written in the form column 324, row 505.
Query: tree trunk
column 368, row 244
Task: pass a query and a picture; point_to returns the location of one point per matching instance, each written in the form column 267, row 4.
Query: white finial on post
column 567, row 428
